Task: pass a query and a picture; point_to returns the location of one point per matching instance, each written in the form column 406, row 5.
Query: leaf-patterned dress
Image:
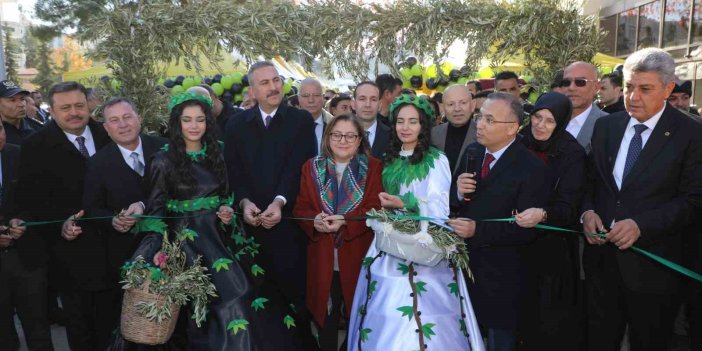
column 400, row 305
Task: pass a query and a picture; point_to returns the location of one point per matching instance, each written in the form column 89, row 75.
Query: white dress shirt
column 577, row 123
column 629, row 132
column 89, row 143
column 497, row 154
column 371, row 132
column 127, row 155
column 318, row 131
column 264, row 114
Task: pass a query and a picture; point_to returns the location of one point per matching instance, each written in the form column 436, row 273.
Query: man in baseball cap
column 12, row 112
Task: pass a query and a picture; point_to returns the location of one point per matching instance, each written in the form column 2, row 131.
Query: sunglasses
column 579, row 82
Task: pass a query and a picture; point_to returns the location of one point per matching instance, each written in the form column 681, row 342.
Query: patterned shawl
column 345, row 197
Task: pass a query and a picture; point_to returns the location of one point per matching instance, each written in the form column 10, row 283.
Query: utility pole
column 3, row 74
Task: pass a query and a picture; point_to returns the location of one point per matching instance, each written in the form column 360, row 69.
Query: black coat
column 52, row 173
column 263, row 163
column 498, row 249
column 110, row 186
column 10, row 170
column 662, row 194
column 382, row 140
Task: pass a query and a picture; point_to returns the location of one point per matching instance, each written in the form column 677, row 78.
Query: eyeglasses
column 579, row 82
column 306, row 95
column 477, row 117
column 351, row 137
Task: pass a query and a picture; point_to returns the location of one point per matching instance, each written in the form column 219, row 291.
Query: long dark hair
column 181, row 181
column 423, row 141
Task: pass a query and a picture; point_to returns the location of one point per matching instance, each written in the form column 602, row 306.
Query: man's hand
column 466, row 183
column 126, row 219
column 225, row 214
column 5, row 241
column 464, row 227
column 390, row 201
column 70, row 230
column 592, row 223
column 624, row 234
column 251, row 212
column 530, row 217
column 272, row 215
column 17, row 228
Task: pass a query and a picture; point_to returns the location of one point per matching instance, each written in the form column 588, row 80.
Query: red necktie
column 486, row 165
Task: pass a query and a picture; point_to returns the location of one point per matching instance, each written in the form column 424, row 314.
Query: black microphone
column 471, row 166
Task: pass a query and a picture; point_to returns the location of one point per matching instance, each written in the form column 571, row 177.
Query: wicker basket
column 137, row 328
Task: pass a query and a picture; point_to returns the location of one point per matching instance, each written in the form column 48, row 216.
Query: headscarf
column 560, row 106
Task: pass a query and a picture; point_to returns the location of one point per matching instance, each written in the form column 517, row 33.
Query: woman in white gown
column 400, row 304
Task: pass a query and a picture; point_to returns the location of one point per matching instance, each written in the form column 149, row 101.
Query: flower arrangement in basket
column 421, row 242
column 155, row 291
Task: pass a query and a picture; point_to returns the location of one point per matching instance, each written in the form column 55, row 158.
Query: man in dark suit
column 312, row 101
column 581, row 85
column 643, row 188
column 264, row 150
column 610, row 93
column 389, row 88
column 52, row 170
column 21, row 289
column 508, row 178
column 114, row 187
column 366, row 102
column 453, row 137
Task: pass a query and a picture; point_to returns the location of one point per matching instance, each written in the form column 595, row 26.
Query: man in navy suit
column 264, row 149
column 505, row 177
column 643, row 188
column 366, row 104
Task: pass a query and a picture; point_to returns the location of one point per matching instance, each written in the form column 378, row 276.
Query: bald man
column 453, row 137
column 311, row 99
column 581, row 86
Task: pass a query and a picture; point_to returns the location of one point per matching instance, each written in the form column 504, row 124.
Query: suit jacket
column 498, row 249
column 381, row 142
column 110, row 186
column 52, row 173
column 662, row 194
column 10, row 170
column 263, row 163
column 585, row 133
column 438, row 139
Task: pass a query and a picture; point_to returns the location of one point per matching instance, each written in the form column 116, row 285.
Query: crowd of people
column 624, row 169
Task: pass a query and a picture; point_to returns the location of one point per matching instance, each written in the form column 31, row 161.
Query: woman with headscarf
column 555, row 262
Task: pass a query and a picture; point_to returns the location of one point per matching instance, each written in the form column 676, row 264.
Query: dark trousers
column 612, row 306
column 694, row 315
column 329, row 334
column 91, row 316
column 501, row 339
column 24, row 291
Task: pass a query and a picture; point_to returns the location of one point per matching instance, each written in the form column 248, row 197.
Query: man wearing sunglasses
column 581, row 86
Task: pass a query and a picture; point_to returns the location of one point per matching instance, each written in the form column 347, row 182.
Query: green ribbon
column 665, row 262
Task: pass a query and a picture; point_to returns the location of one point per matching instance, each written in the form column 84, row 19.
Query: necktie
column 268, row 121
column 634, row 149
column 486, row 165
column 137, row 166
column 81, row 147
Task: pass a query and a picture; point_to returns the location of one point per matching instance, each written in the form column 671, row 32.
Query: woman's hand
column 320, row 224
column 390, row 201
column 530, row 217
column 335, row 222
column 225, row 214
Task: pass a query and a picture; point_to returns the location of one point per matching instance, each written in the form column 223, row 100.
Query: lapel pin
column 667, row 133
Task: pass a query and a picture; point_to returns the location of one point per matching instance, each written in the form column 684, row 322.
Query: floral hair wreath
column 187, row 96
column 419, row 102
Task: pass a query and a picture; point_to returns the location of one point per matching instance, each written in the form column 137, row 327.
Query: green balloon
column 238, row 98
column 227, row 82
column 416, row 70
column 245, row 90
column 441, row 88
column 237, row 77
column 218, row 89
column 406, row 73
column 116, row 84
column 462, row 80
column 287, row 87
column 178, row 89
column 161, row 81
column 188, row 82
column 406, row 84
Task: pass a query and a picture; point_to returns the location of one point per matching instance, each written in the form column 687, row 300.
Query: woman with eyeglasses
column 555, row 255
column 341, row 183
